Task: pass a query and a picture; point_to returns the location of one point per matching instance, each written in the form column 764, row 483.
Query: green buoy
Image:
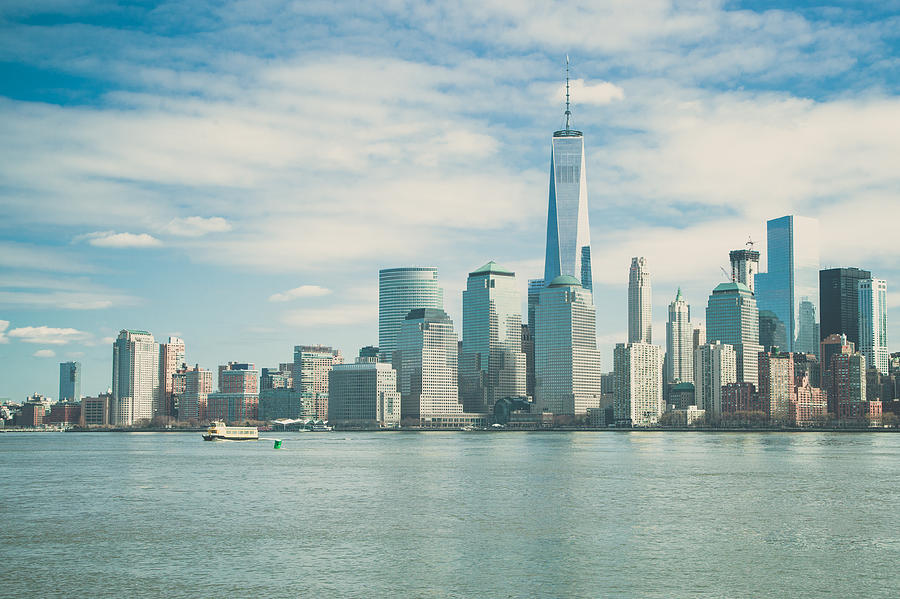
column 277, row 443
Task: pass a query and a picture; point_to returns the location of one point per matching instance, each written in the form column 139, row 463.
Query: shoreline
column 505, row 430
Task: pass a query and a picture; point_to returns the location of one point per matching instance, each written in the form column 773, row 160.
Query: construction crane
column 749, row 243
column 728, row 276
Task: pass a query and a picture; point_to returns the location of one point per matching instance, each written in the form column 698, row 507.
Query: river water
column 606, row 514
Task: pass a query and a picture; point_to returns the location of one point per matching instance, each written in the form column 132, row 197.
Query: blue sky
column 181, row 166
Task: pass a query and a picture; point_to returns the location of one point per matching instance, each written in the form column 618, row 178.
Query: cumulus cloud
column 299, row 292
column 586, row 93
column 111, row 239
column 197, row 226
column 48, row 335
column 44, row 353
column 4, row 324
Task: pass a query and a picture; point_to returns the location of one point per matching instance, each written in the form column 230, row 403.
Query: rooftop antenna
column 749, row 243
column 568, row 112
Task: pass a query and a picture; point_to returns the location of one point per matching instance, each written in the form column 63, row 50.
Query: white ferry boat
column 219, row 432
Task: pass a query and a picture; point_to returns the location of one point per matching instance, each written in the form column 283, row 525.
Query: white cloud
column 44, row 353
column 112, row 239
column 299, row 292
column 584, row 93
column 197, row 226
column 48, row 335
column 4, row 324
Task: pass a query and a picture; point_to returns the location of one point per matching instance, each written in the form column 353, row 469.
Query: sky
column 236, row 172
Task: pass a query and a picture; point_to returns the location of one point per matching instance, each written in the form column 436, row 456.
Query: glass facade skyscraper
column 399, row 291
column 790, row 288
column 732, row 318
column 69, row 381
column 839, row 302
column 873, row 343
column 568, row 229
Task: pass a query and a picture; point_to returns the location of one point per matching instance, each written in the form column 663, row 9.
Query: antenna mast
column 568, row 112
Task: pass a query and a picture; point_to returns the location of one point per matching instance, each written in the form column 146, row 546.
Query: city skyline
column 78, row 263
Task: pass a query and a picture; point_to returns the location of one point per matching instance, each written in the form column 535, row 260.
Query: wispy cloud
column 197, row 226
column 299, row 292
column 338, row 315
column 59, row 291
column 44, row 353
column 111, row 239
column 48, row 335
column 4, row 324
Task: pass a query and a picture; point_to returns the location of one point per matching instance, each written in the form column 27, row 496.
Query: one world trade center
column 568, row 229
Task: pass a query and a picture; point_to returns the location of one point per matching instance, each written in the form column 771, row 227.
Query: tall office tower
column 426, row 361
column 568, row 229
column 792, row 278
column 732, row 318
column 744, row 266
column 311, row 366
column 873, row 343
column 534, row 292
column 567, row 363
column 364, row 392
column 193, row 392
column 135, row 377
column 69, row 381
column 238, row 396
column 492, row 364
column 847, row 384
column 640, row 315
column 679, row 342
column 638, row 372
column 839, row 302
column 399, row 291
column 699, row 335
column 776, row 384
column 715, row 365
column 171, row 357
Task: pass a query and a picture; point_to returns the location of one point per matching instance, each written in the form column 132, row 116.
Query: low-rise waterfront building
column 364, row 392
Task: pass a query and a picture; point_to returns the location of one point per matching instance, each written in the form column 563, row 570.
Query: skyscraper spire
column 568, row 112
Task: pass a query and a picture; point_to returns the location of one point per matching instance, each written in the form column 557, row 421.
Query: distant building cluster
column 792, row 346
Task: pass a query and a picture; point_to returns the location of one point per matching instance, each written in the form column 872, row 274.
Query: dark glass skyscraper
column 839, row 302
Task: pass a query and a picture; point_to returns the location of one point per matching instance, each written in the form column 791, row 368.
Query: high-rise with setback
column 679, row 342
column 732, row 318
column 492, row 364
column 640, row 316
